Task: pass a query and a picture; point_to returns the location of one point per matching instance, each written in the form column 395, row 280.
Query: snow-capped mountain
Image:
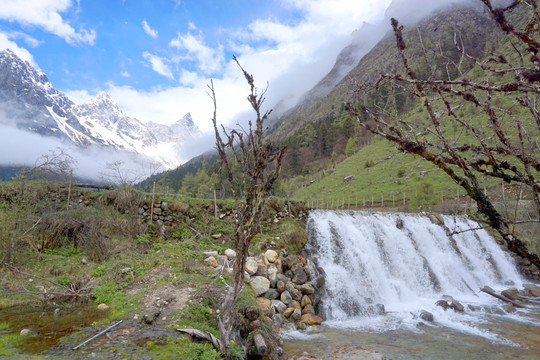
column 29, row 101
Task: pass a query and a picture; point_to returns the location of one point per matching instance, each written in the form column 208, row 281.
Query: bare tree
column 55, row 165
column 118, row 173
column 501, row 93
column 254, row 165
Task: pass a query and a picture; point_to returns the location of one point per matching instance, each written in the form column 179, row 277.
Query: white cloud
column 158, row 65
column 6, row 43
column 46, row 15
column 148, row 30
column 209, row 60
column 125, row 74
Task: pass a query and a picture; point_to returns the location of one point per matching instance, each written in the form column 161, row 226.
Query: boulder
column 295, row 304
column 210, row 253
column 532, row 289
column 280, row 286
column 300, row 325
column 230, row 253
column 311, row 319
column 271, row 256
column 295, row 294
column 426, row 316
column 264, row 304
column 272, row 272
column 222, row 260
column 511, row 294
column 251, row 266
column 211, row 261
column 259, row 284
column 509, row 308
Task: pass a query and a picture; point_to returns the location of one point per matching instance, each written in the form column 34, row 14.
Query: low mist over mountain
column 29, row 102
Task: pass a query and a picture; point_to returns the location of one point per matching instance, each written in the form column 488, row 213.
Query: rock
column 25, row 332
column 280, row 285
column 259, row 284
column 102, row 306
column 308, row 309
column 271, row 294
column 271, row 256
column 164, row 206
column 278, row 306
column 288, row 312
column 295, row 294
column 305, row 301
column 286, row 297
column 296, row 315
column 443, row 304
column 511, row 294
column 311, row 319
column 126, row 270
column 532, row 289
column 230, row 253
column 426, row 316
column 261, row 270
column 306, row 288
column 211, row 261
column 456, row 305
column 217, row 236
column 84, row 260
column 296, row 305
column 264, row 304
column 447, row 298
column 222, row 260
column 472, row 307
column 300, row 325
column 509, row 308
column 251, row 265
column 210, row 253
column 436, row 219
column 380, row 309
column 300, row 277
column 272, row 272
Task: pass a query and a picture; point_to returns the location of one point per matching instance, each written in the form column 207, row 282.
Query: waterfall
column 402, row 263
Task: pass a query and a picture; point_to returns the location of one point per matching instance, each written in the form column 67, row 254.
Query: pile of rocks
column 288, row 287
column 160, row 214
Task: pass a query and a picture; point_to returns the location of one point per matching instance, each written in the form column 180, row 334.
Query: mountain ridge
column 30, row 102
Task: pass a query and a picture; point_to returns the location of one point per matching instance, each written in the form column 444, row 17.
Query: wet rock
column 259, row 284
column 300, row 325
column 271, row 256
column 511, row 294
column 399, row 223
column 443, row 304
column 532, row 289
column 426, row 316
column 472, row 307
column 380, row 309
column 457, row 306
column 311, row 319
column 509, row 308
column 447, row 298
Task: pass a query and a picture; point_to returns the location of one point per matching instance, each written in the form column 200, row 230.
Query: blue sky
column 155, row 57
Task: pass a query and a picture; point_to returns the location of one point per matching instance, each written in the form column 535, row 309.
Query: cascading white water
column 404, row 262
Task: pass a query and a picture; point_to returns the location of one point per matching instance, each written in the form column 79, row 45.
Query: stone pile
column 288, row 287
column 161, row 213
